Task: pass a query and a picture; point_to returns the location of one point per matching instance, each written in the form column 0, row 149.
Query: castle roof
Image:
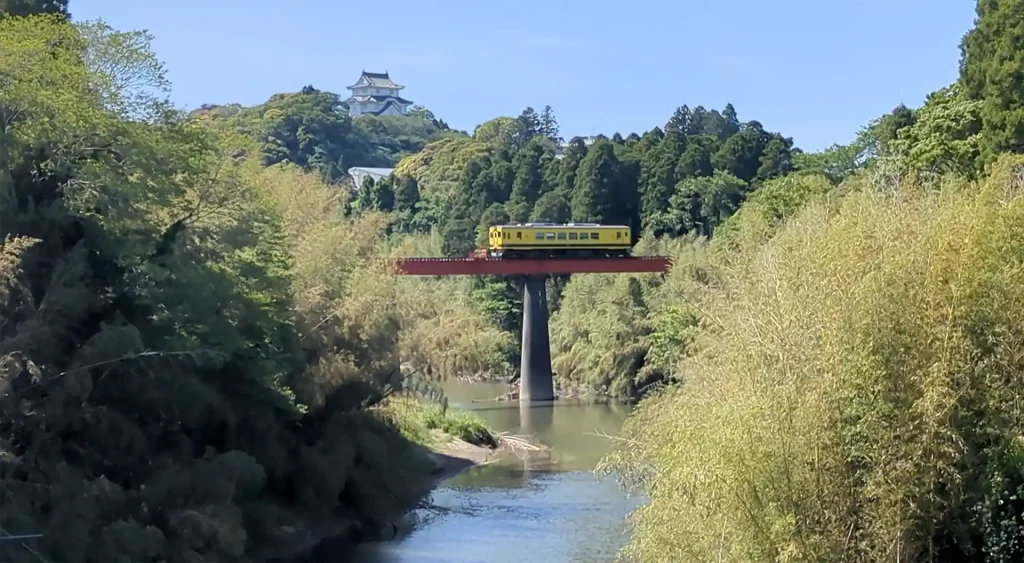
column 388, row 104
column 375, row 80
column 380, row 98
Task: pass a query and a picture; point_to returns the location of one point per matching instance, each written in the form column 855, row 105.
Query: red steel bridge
column 535, row 381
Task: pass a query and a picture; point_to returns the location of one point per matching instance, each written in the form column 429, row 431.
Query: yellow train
column 536, row 240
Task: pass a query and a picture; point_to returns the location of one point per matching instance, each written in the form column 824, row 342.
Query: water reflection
column 536, row 418
column 551, row 498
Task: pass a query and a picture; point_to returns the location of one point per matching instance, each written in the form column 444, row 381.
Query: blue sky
column 815, row 70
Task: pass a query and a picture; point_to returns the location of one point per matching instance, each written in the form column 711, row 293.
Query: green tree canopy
column 992, row 72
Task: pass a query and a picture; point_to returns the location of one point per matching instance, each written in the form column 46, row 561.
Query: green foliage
column 188, row 341
column 707, row 202
column 500, row 299
column 633, row 181
column 879, row 139
column 944, row 137
column 597, row 180
column 504, row 133
column 307, row 128
column 767, row 209
column 33, row 7
column 463, row 425
column 419, row 421
column 836, row 163
column 598, row 335
column 552, row 207
column 992, row 72
column 312, row 129
column 671, row 336
column 853, row 392
column 528, row 183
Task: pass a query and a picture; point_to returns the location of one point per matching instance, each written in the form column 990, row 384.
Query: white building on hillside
column 561, row 148
column 359, row 174
column 376, row 94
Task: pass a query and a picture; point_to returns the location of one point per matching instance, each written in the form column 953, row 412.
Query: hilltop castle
column 376, row 94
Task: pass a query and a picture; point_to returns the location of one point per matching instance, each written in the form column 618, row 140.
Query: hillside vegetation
column 847, row 376
column 193, row 346
column 312, row 129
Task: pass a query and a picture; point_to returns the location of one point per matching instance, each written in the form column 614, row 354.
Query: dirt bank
column 455, row 456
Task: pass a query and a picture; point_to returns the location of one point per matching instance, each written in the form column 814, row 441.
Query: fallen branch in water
column 520, row 445
column 610, row 437
column 439, row 510
column 19, row 537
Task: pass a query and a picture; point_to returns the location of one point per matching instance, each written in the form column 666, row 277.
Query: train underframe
column 560, row 253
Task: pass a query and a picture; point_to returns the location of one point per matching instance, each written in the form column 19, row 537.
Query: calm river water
column 548, row 508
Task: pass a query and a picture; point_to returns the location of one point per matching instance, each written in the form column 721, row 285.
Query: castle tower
column 375, row 93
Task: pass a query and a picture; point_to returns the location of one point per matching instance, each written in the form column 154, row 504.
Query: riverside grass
column 416, row 420
column 857, row 390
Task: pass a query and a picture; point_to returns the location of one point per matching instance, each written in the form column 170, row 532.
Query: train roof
column 538, row 224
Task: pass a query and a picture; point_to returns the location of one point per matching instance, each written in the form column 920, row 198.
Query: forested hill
column 312, row 128
column 686, row 176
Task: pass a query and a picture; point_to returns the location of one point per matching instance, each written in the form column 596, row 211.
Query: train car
column 544, row 240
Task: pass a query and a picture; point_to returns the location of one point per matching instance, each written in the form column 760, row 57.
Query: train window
column 595, row 236
column 561, row 236
column 618, row 235
column 584, row 236
column 572, row 236
column 550, row 236
column 540, row 236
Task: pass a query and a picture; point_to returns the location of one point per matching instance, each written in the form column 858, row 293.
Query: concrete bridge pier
column 535, row 382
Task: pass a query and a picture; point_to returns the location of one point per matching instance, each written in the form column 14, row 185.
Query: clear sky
column 815, row 70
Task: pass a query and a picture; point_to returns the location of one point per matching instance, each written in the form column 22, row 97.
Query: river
column 548, row 507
